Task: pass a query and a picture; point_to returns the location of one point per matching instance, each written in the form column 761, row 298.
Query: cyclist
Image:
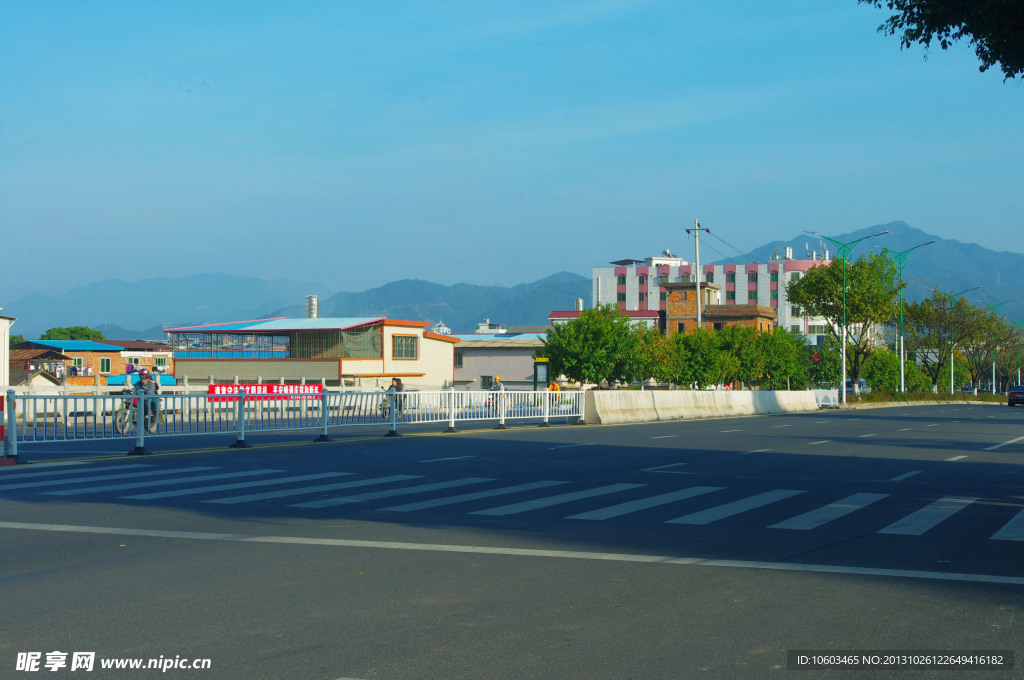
column 147, row 387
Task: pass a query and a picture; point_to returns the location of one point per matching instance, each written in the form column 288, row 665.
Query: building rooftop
column 76, row 345
column 279, row 324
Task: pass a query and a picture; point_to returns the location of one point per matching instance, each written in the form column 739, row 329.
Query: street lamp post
column 952, row 303
column 901, row 262
column 844, row 250
column 993, row 308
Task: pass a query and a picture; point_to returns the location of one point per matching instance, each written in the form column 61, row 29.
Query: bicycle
column 125, row 416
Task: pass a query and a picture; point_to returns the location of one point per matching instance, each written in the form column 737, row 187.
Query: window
column 775, row 277
column 662, row 279
column 621, row 297
column 622, row 280
column 403, row 347
column 795, row 328
column 797, row 312
column 710, row 277
column 77, row 362
column 104, row 364
column 643, row 280
column 663, row 296
column 775, row 295
column 718, row 325
column 643, row 296
column 680, row 327
column 795, row 276
column 817, row 330
column 730, row 277
column 730, row 295
column 486, row 381
column 160, row 361
column 752, row 294
column 752, row 277
column 135, row 361
column 458, row 360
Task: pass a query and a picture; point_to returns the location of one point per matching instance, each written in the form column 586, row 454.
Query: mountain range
column 142, row 309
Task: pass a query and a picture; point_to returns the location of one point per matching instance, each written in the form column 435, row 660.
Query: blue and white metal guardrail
column 33, row 419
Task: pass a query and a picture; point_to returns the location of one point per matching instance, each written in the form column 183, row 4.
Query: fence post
column 323, row 415
column 140, row 431
column 548, row 396
column 451, row 409
column 501, row 409
column 240, row 419
column 392, row 415
column 10, row 434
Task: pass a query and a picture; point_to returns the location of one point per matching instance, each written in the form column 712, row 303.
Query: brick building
column 681, row 310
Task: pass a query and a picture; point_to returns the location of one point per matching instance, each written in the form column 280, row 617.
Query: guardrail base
column 10, row 460
column 322, row 438
column 392, row 433
column 500, row 427
column 450, row 430
column 239, row 444
column 139, row 451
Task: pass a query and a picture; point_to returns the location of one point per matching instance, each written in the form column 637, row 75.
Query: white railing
column 32, row 419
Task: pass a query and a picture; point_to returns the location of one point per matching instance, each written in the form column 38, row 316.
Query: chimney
column 312, row 307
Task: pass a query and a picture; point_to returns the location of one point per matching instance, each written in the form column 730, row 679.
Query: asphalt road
column 708, row 549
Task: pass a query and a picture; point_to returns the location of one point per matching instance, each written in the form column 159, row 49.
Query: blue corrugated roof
column 271, row 325
column 79, row 345
column 470, row 337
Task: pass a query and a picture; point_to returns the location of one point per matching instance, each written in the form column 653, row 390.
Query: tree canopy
column 995, row 28
column 72, row 333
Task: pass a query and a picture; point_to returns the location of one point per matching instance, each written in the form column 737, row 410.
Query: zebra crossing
column 211, row 485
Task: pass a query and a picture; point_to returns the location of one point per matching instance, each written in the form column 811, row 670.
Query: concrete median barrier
column 630, row 406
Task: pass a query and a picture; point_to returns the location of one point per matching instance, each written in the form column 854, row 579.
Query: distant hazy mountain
column 947, row 264
column 462, row 306
column 128, row 311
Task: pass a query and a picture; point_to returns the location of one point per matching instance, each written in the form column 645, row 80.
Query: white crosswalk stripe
column 463, row 498
column 916, row 523
column 538, row 503
column 237, row 485
column 101, row 478
column 158, row 482
column 736, row 507
column 372, row 495
column 815, row 518
column 645, row 503
column 1012, row 530
column 32, row 472
column 311, row 489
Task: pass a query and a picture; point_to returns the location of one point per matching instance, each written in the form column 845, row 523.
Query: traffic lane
column 293, row 611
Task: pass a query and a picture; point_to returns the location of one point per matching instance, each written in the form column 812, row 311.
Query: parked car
column 1015, row 395
column 864, row 389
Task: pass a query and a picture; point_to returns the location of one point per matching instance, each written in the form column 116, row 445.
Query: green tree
column 882, row 371
column 695, row 359
column 872, row 284
column 995, row 28
column 990, row 331
column 591, row 348
column 826, row 366
column 72, row 333
column 933, row 327
column 780, row 359
column 744, row 358
column 15, row 339
column 913, row 379
column 647, row 356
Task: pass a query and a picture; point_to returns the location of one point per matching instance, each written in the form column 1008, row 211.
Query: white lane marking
column 862, row 436
column 519, row 552
column 746, row 453
column 1012, row 530
column 815, row 518
column 28, row 469
column 237, row 485
column 955, row 458
column 725, row 431
column 933, row 424
column 736, row 507
column 451, row 500
column 999, row 446
column 905, row 429
column 33, row 474
column 666, row 436
column 782, row 426
column 571, row 446
column 823, row 441
column 389, row 493
column 158, row 482
column 905, row 475
column 927, row 517
column 538, row 503
column 310, row 489
column 102, row 478
column 439, row 460
column 662, row 467
column 645, row 503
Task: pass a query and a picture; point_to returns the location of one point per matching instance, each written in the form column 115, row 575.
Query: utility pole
column 699, row 275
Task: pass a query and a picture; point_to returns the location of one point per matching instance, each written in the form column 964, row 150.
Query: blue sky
column 497, row 142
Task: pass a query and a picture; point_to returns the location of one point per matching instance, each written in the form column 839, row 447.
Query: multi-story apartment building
column 639, row 285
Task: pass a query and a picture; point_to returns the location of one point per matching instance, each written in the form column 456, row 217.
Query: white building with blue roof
column 355, row 352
